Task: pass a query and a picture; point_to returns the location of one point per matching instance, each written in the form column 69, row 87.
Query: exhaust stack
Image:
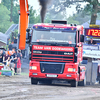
column 59, row 21
column 43, row 4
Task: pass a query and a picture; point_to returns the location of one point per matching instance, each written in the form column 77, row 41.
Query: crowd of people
column 11, row 60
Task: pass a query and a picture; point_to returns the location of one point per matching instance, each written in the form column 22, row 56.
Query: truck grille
column 51, row 67
column 55, row 56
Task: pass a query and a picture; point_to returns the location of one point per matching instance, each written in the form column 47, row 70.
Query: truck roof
column 57, row 26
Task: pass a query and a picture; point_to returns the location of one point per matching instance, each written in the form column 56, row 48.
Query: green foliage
column 15, row 33
column 92, row 8
column 78, row 18
column 13, row 36
column 4, row 18
column 9, row 12
column 15, row 15
column 71, row 20
column 33, row 18
column 13, row 10
column 7, row 3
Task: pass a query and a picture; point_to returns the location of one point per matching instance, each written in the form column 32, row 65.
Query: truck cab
column 56, row 53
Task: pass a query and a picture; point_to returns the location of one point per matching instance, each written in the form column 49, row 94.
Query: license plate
column 49, row 75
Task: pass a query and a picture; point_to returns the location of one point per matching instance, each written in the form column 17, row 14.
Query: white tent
column 86, row 24
column 3, row 39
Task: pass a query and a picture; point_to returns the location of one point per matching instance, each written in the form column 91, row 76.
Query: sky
column 34, row 3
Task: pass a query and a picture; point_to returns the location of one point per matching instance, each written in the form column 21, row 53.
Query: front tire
column 74, row 83
column 34, row 81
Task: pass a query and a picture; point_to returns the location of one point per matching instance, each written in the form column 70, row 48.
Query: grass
column 24, row 73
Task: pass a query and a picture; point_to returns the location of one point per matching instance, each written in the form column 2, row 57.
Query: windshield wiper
column 63, row 42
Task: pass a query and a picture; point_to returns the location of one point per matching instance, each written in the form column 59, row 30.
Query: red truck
column 56, row 53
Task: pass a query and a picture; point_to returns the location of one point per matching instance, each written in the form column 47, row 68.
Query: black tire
column 83, row 82
column 74, row 83
column 34, row 81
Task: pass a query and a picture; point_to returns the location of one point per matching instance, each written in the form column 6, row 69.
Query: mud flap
column 88, row 73
column 91, row 72
column 94, row 72
column 98, row 77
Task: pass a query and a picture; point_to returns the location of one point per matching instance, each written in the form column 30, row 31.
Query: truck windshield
column 54, row 36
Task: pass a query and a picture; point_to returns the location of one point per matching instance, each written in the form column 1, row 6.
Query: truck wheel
column 74, row 83
column 34, row 81
column 82, row 83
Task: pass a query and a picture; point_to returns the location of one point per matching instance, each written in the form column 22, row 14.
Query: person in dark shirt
column 91, row 41
column 1, row 56
column 6, row 59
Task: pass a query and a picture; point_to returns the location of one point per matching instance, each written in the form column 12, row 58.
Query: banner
column 91, row 53
column 53, row 48
column 90, row 47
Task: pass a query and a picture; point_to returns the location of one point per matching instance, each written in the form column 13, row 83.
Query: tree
column 4, row 18
column 78, row 18
column 92, row 5
column 13, row 8
column 95, row 9
column 15, row 15
column 33, row 18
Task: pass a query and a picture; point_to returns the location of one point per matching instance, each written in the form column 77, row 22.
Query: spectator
column 10, row 46
column 6, row 59
column 1, row 56
column 11, row 51
column 19, row 61
column 13, row 57
column 91, row 41
column 15, row 62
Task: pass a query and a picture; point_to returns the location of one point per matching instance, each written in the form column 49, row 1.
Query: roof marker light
column 75, row 24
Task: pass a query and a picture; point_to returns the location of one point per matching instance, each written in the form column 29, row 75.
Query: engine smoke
column 43, row 4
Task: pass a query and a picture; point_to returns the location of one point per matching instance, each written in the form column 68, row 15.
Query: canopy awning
column 86, row 24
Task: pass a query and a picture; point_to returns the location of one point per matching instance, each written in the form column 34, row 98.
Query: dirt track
column 19, row 88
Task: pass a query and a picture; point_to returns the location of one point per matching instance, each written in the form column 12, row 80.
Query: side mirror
column 27, row 33
column 30, row 52
column 28, row 36
column 81, row 38
column 29, row 56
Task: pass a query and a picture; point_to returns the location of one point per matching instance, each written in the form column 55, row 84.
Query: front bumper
column 65, row 76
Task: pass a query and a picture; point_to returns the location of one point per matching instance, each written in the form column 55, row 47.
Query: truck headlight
column 33, row 67
column 71, row 69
